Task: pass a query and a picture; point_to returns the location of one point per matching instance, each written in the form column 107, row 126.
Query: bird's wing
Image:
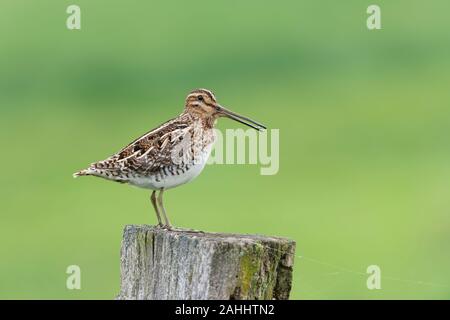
column 148, row 153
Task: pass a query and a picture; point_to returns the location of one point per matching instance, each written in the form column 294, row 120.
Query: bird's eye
column 200, row 98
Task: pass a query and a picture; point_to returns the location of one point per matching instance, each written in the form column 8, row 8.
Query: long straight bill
column 244, row 120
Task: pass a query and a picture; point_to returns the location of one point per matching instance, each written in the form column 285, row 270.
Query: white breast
column 171, row 181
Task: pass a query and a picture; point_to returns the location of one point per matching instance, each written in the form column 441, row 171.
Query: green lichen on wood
column 248, row 267
column 256, row 273
column 179, row 264
column 260, row 268
column 269, row 268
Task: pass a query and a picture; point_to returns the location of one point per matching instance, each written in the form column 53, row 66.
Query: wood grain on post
column 187, row 264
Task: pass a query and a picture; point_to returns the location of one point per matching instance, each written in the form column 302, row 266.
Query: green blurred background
column 364, row 119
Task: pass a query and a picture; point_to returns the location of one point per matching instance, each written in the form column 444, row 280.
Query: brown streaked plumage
column 170, row 155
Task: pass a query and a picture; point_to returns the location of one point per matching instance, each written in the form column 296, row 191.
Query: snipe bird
column 170, row 155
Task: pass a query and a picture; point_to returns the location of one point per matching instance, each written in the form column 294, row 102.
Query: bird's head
column 202, row 103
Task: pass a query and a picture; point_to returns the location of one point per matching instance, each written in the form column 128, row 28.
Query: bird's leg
column 153, row 199
column 161, row 205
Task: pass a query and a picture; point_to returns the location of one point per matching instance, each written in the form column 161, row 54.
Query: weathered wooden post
column 187, row 264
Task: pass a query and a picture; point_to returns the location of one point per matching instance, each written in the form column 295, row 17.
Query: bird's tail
column 85, row 172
